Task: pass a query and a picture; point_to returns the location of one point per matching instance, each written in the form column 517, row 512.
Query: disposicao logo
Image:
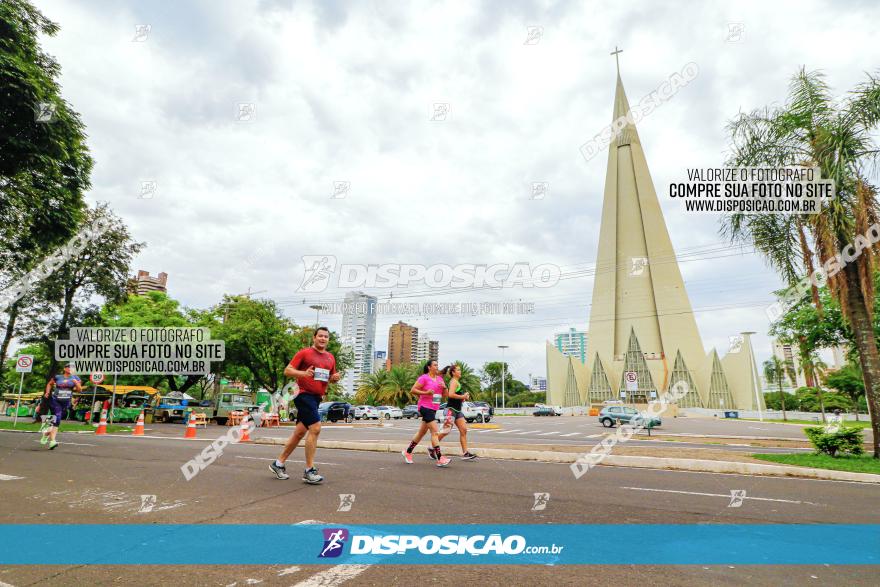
column 334, row 541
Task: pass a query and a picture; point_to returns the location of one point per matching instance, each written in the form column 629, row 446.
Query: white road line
column 510, row 431
column 727, row 496
column 333, row 576
column 290, row 461
column 528, row 432
column 8, row 478
column 549, row 433
column 593, row 435
column 571, row 434
column 72, row 443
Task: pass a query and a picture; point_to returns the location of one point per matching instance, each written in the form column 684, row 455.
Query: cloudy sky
column 346, row 92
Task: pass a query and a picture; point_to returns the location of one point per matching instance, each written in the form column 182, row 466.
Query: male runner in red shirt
column 314, row 368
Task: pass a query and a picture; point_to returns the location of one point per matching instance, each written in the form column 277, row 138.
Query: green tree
column 156, row 310
column 810, row 129
column 260, row 342
column 774, row 372
column 100, row 269
column 848, row 381
column 45, row 167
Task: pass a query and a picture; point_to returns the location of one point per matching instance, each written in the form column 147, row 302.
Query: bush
column 844, row 441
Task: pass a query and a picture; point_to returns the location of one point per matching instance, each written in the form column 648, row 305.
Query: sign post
column 23, row 364
column 113, row 398
column 632, row 381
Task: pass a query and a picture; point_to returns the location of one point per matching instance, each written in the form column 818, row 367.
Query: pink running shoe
column 407, row 457
column 443, row 462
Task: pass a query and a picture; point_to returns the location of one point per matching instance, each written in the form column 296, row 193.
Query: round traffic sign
column 632, row 376
column 25, row 362
column 96, row 377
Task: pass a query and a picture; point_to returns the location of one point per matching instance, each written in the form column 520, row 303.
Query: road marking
column 528, row 432
column 73, row 443
column 333, row 576
column 571, row 434
column 8, row 478
column 724, row 495
column 509, row 431
column 289, row 461
column 549, row 433
column 593, row 435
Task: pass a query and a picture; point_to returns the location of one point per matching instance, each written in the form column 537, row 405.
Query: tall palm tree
column 774, row 370
column 810, row 129
column 397, row 386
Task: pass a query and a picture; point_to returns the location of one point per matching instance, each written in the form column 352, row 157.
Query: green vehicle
column 232, row 401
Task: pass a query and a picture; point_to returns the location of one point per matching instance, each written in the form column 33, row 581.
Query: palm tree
column 399, row 382
column 370, row 388
column 774, row 369
column 811, row 130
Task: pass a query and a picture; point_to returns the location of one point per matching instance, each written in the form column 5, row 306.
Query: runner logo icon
column 334, row 541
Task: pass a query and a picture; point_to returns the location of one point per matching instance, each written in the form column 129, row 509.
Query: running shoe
column 443, row 462
column 407, row 457
column 432, row 453
column 468, row 456
column 44, row 439
column 311, row 476
column 280, row 472
column 52, row 445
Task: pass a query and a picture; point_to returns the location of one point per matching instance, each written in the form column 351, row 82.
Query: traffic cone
column 190, row 429
column 102, row 425
column 245, row 436
column 139, row 426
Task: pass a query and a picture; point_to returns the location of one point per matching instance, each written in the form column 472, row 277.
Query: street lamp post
column 317, row 309
column 503, row 373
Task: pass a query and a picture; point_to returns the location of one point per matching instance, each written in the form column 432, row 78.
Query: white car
column 471, row 411
column 389, row 412
column 365, row 413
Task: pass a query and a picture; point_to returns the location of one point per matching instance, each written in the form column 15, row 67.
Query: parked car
column 486, row 405
column 609, row 416
column 389, row 412
column 542, row 410
column 365, row 413
column 335, row 411
column 471, row 411
column 411, row 412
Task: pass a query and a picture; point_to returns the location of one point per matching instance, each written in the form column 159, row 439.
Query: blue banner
column 484, row 544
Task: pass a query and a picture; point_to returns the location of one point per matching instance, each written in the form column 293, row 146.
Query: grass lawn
column 26, row 424
column 860, row 424
column 857, row 464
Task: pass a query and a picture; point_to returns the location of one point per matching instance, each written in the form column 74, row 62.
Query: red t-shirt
column 311, row 357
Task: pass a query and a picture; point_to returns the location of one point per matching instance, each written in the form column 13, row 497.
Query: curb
column 697, row 465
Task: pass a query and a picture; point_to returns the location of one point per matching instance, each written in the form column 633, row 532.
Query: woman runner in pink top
column 430, row 388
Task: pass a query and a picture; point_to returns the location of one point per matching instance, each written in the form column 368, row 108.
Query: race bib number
column 437, row 398
column 322, row 374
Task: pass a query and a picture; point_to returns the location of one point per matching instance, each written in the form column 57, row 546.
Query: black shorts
column 427, row 414
column 456, row 414
column 307, row 408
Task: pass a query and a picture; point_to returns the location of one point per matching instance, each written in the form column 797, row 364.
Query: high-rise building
column 402, row 343
column 144, row 283
column 572, row 344
column 643, row 337
column 380, row 361
column 359, row 335
column 426, row 349
column 538, row 383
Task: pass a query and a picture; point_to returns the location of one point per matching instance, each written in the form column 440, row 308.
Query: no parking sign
column 24, row 363
column 632, row 380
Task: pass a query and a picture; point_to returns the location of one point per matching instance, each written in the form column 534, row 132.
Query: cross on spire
column 617, row 52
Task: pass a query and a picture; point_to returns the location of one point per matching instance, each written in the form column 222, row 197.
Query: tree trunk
column 782, row 399
column 866, row 344
column 8, row 335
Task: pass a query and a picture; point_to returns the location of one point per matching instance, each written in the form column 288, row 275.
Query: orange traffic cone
column 245, row 436
column 190, row 429
column 139, row 426
column 102, row 425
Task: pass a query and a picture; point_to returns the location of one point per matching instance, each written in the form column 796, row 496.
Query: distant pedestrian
column 59, row 391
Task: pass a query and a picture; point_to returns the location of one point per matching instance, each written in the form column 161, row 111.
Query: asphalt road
column 103, row 480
